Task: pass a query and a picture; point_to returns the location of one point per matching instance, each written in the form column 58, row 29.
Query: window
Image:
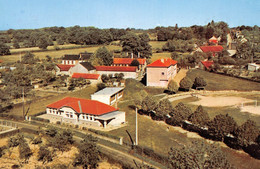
column 162, row 73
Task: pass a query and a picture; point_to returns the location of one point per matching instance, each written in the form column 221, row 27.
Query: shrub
column 199, row 82
column 186, row 84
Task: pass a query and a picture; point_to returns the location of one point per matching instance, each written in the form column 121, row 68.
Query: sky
column 144, row 14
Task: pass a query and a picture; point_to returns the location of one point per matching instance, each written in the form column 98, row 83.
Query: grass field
column 157, row 44
column 221, row 82
column 40, row 105
column 58, row 53
column 157, row 56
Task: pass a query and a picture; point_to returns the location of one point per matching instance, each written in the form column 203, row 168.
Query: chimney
column 132, row 55
column 80, row 109
column 162, row 60
column 138, row 54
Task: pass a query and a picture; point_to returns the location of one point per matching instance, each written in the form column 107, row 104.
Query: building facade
column 108, row 95
column 88, row 112
column 160, row 72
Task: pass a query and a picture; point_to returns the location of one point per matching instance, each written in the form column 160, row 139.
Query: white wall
column 126, row 74
column 119, row 119
column 102, row 98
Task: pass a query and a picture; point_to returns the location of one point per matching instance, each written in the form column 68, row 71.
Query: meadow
column 222, row 82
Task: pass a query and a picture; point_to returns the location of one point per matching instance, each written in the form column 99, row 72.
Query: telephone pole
column 23, row 101
column 136, row 128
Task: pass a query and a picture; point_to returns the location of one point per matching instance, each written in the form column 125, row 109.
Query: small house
column 108, row 95
column 211, row 49
column 205, row 65
column 128, row 61
column 62, row 69
column 93, row 78
column 253, row 66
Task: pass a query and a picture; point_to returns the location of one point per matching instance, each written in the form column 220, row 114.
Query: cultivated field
column 58, row 53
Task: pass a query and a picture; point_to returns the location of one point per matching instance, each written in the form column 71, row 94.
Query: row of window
column 70, row 114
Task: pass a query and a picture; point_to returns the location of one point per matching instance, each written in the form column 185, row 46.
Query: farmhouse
column 205, row 65
column 84, row 111
column 160, row 72
column 211, row 49
column 108, row 95
column 128, row 61
column 63, row 69
column 214, row 40
column 94, row 78
column 128, row 71
column 82, row 67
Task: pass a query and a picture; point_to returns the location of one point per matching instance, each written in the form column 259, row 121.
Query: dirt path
column 180, row 75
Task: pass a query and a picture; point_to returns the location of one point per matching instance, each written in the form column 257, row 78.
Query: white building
column 108, row 95
column 84, row 111
column 253, row 66
column 82, row 67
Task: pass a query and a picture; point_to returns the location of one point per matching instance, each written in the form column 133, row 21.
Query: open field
column 157, row 56
column 221, row 82
column 37, row 48
column 57, row 53
column 157, row 44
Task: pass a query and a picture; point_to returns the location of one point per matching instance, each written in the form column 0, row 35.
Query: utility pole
column 136, row 128
column 23, row 100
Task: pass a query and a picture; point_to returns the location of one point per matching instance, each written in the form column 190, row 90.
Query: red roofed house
column 128, row 61
column 205, row 65
column 94, row 78
column 160, row 72
column 128, row 71
column 214, row 40
column 63, row 69
column 84, row 111
column 82, row 67
column 213, row 49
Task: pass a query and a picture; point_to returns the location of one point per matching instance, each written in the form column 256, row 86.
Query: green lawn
column 157, row 44
column 157, row 56
column 221, row 82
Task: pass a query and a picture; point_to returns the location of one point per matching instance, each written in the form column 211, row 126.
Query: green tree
column 221, row 126
column 199, row 82
column 4, row 49
column 174, row 55
column 42, row 42
column 199, row 154
column 88, row 156
column 163, row 109
column 16, row 44
column 24, row 151
column 186, row 83
column 104, row 56
column 173, row 86
column 44, row 154
column 149, row 104
column 135, row 62
column 29, row 58
column 180, row 113
column 199, row 117
column 247, row 133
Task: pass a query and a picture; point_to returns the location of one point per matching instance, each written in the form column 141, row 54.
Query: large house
column 160, row 72
column 108, row 95
column 86, row 112
column 128, row 61
column 211, row 49
column 128, row 71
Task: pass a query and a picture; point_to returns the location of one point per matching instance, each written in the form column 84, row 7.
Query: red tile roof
column 64, row 67
column 127, row 61
column 163, row 63
column 117, row 68
column 85, row 76
column 206, row 49
column 207, row 64
column 92, row 107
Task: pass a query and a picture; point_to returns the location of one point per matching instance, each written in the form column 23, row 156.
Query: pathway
column 180, row 75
